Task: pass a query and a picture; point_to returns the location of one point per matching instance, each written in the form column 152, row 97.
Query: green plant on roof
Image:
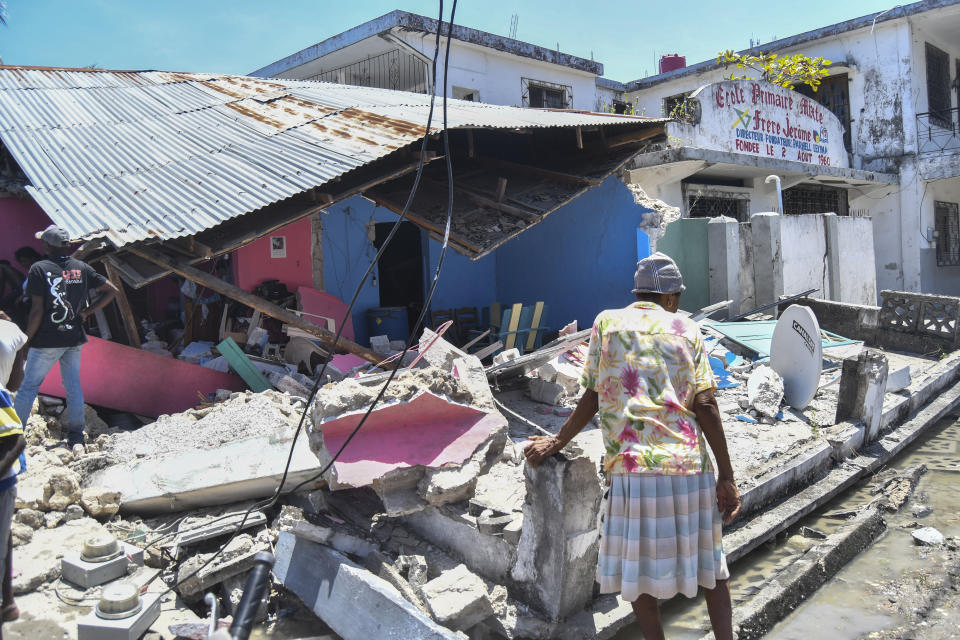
column 785, row 71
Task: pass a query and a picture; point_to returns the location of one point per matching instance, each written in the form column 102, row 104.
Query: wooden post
column 129, row 322
column 254, row 302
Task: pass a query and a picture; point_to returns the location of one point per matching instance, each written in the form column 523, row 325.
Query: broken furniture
column 439, row 317
column 465, row 320
column 241, row 364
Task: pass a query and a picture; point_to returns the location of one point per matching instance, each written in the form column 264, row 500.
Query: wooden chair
column 466, row 321
column 535, row 330
column 438, row 317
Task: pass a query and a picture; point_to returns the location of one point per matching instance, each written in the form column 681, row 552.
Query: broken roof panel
column 136, row 155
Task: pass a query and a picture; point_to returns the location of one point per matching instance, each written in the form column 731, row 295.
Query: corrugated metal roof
column 132, row 155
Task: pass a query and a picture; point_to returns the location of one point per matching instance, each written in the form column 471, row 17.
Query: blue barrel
column 388, row 321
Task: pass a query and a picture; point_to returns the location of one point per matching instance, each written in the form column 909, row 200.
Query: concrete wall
column 936, row 279
column 496, row 75
column 747, row 298
column 786, row 255
column 686, row 242
column 253, row 263
column 855, row 261
column 20, row 218
column 804, row 255
column 880, row 79
column 579, row 261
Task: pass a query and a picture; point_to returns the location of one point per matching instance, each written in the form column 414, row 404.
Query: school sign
column 761, row 119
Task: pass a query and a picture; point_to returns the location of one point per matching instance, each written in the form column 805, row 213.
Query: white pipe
column 774, row 178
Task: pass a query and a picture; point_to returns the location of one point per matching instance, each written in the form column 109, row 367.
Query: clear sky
column 239, row 36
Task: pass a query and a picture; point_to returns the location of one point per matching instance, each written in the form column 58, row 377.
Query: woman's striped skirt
column 661, row 536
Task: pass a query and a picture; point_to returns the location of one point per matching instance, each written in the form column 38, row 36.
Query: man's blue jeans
column 39, row 363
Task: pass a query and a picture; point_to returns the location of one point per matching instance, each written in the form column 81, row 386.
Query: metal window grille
column 540, row 94
column 815, row 199
column 834, row 94
column 391, row 70
column 947, row 221
column 938, row 86
column 713, row 207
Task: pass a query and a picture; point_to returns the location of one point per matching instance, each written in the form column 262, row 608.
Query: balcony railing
column 938, row 130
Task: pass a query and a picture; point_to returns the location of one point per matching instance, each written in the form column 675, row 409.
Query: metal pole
column 774, row 178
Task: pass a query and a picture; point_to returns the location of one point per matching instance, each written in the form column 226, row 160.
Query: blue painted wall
column 579, row 261
column 347, row 251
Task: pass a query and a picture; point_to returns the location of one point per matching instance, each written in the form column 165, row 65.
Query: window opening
column 834, row 94
column 815, row 199
column 938, row 87
column 538, row 94
column 947, row 221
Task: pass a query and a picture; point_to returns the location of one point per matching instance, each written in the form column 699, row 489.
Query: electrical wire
column 419, row 172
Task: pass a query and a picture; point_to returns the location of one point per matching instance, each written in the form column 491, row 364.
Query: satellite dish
column 796, row 353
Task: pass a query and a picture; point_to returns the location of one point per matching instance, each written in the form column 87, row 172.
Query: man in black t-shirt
column 58, row 287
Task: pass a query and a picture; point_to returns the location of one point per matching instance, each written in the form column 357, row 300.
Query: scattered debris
column 928, row 536
column 765, row 391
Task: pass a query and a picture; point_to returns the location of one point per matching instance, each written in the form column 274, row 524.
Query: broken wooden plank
column 129, row 322
column 240, row 363
column 254, row 302
column 540, row 171
column 501, row 189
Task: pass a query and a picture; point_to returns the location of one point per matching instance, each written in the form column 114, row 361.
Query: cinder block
column 92, row 627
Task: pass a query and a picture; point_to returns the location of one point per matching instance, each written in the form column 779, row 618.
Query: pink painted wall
column 253, row 264
column 127, row 379
column 20, row 218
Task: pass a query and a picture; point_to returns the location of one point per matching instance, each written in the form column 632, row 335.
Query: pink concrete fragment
column 126, row 379
column 345, row 362
column 427, row 430
column 320, row 303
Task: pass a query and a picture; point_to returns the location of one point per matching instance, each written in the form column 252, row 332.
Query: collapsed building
column 428, row 523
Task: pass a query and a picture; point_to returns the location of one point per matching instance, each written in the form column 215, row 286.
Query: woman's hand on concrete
column 540, row 448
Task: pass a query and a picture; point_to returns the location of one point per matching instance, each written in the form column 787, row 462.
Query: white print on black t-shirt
column 62, row 310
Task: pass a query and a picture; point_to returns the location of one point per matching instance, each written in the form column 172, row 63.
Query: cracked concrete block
column 416, row 569
column 458, row 598
column 236, row 558
column 928, row 536
column 765, row 391
column 30, row 517
column 100, row 502
column 471, row 373
column 380, row 566
column 506, row 356
column 511, row 532
column 546, row 392
column 61, row 490
column 556, row 556
column 446, row 485
column 492, row 525
column 291, row 519
column 354, row 603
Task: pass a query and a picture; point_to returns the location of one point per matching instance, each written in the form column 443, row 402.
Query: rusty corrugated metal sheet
column 133, row 155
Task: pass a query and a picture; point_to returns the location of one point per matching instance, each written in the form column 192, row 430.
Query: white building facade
column 893, row 91
column 395, row 51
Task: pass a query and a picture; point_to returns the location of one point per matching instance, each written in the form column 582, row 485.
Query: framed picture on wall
column 278, row 246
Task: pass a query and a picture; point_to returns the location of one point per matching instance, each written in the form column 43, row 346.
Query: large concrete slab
column 353, row 602
column 241, row 470
column 427, row 431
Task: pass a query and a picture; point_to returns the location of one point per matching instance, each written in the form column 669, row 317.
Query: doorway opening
column 401, row 268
